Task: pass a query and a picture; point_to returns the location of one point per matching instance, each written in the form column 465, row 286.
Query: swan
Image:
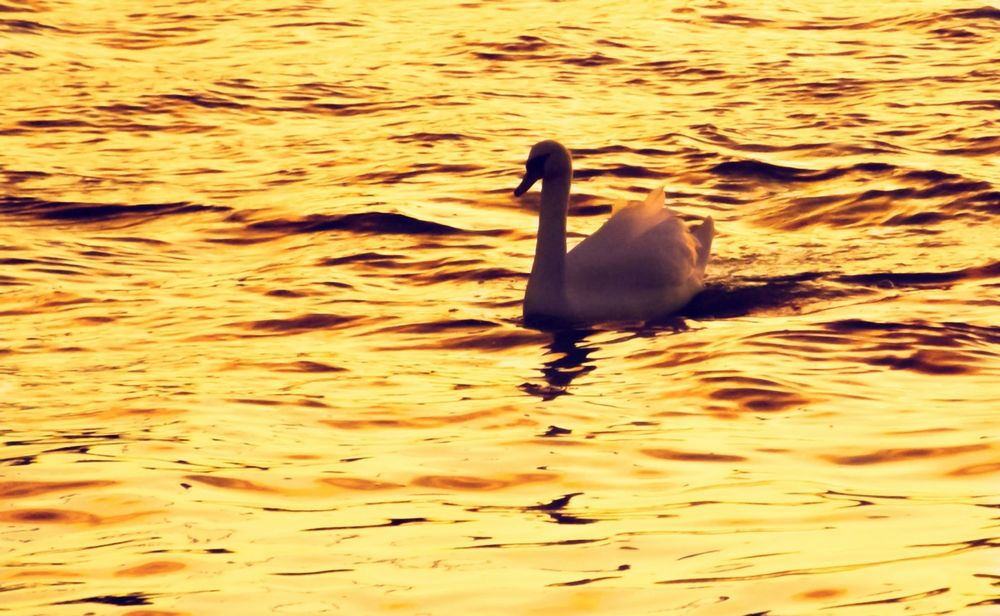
column 642, row 264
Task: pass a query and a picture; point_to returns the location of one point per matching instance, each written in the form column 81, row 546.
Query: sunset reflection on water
column 263, row 348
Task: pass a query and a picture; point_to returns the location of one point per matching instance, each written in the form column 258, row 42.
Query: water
column 262, row 276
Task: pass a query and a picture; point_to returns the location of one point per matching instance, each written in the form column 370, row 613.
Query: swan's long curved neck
column 546, row 292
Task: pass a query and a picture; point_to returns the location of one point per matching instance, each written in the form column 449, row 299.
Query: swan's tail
column 704, row 234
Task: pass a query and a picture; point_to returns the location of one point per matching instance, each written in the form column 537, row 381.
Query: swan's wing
column 623, row 227
column 704, row 233
column 662, row 255
column 645, row 245
column 642, row 262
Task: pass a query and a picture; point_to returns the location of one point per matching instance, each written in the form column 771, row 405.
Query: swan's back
column 642, row 263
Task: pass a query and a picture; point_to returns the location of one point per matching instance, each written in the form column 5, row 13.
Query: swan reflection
column 570, row 361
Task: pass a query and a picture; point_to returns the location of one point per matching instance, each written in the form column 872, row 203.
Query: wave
column 364, row 223
column 42, row 209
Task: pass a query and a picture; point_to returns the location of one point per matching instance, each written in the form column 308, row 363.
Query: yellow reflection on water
column 261, row 296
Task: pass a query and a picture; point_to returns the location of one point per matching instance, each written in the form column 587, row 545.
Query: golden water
column 261, row 343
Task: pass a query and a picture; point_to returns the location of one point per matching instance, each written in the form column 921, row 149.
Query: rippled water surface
column 261, row 330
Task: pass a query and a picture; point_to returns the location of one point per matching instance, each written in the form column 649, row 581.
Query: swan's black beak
column 527, row 182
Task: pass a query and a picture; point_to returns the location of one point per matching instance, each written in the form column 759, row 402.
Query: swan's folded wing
column 661, row 255
column 627, row 224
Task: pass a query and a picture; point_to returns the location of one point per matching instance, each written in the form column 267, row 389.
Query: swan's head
column 547, row 160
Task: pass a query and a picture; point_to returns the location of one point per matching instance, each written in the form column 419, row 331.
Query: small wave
column 755, row 169
column 756, row 295
column 98, row 212
column 203, row 100
column 742, row 297
column 417, row 170
column 375, row 259
column 983, row 12
column 351, row 109
column 910, row 279
column 300, row 324
column 55, row 123
column 365, row 222
column 431, row 137
column 619, row 171
column 23, row 25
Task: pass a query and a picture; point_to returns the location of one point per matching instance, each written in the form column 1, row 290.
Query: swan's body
column 643, row 263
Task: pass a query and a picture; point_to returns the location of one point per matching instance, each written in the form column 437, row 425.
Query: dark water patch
column 48, row 516
column 320, row 24
column 22, row 26
column 497, row 56
column 491, row 341
column 132, row 598
column 556, row 504
column 285, row 293
column 936, row 348
column 98, row 212
column 757, row 170
column 12, row 176
column 741, row 21
column 738, row 298
column 311, row 367
column 204, row 100
column 375, row 259
column 478, row 484
column 760, row 399
column 947, row 189
column 534, row 544
column 55, row 123
column 594, row 59
column 691, row 456
column 920, row 219
column 919, row 279
column 365, row 223
column 444, row 326
column 19, row 460
column 983, row 12
column 524, row 43
column 432, row 137
column 229, row 483
column 935, row 362
column 352, row 109
column 988, row 201
column 979, row 105
column 883, row 456
column 619, row 171
column 579, row 153
column 418, row 170
column 591, row 210
column 22, row 489
column 320, row 572
column 981, row 146
column 545, row 393
column 954, row 33
column 393, row 522
column 456, row 273
column 901, row 599
column 972, row 470
column 584, row 581
column 555, row 432
column 298, row 325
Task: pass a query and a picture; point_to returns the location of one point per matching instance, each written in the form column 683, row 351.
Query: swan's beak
column 527, row 182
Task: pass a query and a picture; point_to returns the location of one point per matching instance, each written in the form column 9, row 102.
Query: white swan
column 643, row 263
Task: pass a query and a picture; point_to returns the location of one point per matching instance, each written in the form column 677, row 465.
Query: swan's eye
column 536, row 165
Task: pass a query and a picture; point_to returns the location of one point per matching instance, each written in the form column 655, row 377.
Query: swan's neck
column 546, row 292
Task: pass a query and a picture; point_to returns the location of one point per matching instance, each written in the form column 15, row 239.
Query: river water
column 262, row 351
